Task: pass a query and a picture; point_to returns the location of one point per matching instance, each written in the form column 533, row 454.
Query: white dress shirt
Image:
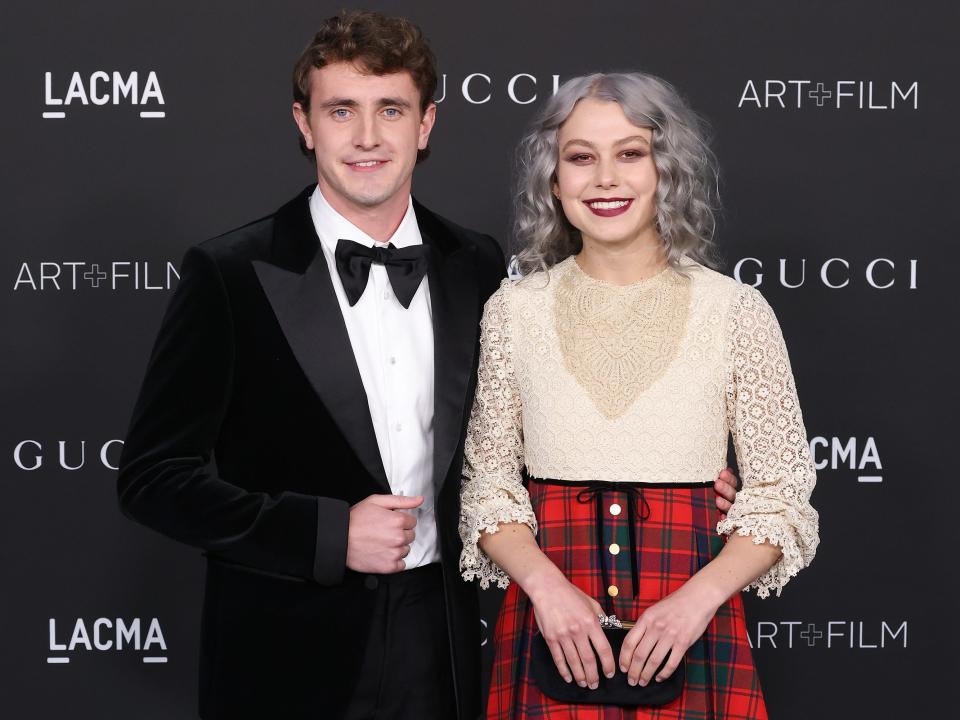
column 393, row 348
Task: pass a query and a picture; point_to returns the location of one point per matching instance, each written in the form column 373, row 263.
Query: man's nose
column 366, row 133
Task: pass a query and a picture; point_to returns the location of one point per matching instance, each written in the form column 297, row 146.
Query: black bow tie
column 405, row 268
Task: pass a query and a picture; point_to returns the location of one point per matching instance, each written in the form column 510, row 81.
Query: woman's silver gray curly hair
column 686, row 195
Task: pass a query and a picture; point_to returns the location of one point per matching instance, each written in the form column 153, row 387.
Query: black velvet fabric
column 251, row 438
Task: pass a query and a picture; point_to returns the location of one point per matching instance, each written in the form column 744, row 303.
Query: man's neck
column 380, row 221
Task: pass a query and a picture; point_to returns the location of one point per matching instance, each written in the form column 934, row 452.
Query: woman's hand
column 670, row 626
column 567, row 618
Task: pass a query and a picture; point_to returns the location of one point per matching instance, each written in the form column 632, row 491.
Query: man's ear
column 426, row 125
column 302, row 119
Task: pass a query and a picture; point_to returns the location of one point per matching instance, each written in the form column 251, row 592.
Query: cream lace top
column 580, row 379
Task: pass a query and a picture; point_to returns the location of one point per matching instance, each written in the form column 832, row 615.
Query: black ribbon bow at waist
column 405, row 268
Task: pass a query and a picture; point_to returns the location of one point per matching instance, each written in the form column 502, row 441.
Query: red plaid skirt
column 665, row 535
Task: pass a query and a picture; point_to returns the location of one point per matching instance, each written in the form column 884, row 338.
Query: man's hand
column 379, row 537
column 726, row 489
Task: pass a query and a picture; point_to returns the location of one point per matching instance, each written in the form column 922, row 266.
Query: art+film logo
column 834, row 273
column 779, row 94
column 138, row 636
column 829, row 634
column 69, row 455
column 77, row 91
column 76, row 275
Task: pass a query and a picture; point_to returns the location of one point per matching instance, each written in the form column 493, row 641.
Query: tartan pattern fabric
column 673, row 542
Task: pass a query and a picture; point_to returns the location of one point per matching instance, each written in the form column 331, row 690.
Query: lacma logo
column 848, row 453
column 835, row 95
column 102, row 88
column 108, row 635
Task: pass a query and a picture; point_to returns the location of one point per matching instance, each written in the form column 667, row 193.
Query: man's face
column 365, row 131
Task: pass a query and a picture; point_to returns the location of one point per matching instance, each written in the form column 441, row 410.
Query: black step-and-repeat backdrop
column 133, row 130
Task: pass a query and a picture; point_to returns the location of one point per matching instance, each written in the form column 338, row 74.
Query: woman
column 611, row 376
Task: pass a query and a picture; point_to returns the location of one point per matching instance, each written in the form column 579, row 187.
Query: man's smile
column 367, row 165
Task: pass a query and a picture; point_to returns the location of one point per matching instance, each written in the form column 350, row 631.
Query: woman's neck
column 622, row 265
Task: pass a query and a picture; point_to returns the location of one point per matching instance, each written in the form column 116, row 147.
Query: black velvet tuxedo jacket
column 253, row 369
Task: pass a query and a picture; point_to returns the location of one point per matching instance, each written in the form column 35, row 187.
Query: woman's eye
column 578, row 158
column 633, row 154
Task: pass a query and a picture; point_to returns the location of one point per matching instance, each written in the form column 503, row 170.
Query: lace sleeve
column 492, row 492
column 771, row 444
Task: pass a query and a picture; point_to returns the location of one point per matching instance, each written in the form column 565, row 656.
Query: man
column 331, row 383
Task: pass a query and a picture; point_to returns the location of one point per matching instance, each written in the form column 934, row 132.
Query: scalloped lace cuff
column 793, row 530
column 485, row 505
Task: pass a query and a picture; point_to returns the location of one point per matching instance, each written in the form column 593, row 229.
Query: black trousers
column 407, row 671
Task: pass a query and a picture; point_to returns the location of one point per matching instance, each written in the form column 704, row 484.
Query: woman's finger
column 589, row 661
column 640, row 656
column 559, row 660
column 629, row 646
column 653, row 661
column 673, row 663
column 572, row 657
column 603, row 651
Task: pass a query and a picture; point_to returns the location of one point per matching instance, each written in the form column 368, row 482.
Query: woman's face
column 606, row 179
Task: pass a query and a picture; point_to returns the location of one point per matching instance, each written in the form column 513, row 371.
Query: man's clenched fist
column 379, row 537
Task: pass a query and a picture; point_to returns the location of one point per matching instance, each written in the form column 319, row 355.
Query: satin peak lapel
column 307, row 310
column 453, row 300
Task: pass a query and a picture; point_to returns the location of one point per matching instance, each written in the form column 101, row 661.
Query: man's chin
column 372, row 199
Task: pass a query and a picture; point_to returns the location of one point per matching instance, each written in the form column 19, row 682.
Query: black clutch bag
column 612, row 691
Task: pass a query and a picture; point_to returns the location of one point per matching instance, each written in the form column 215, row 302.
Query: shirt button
column 398, row 427
column 613, row 591
column 615, row 509
column 370, row 582
column 386, row 294
column 393, row 360
column 614, row 549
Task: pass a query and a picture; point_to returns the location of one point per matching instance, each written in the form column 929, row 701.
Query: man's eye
column 341, row 113
column 391, row 112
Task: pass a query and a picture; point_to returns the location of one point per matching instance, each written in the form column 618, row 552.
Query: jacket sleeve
column 167, row 480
